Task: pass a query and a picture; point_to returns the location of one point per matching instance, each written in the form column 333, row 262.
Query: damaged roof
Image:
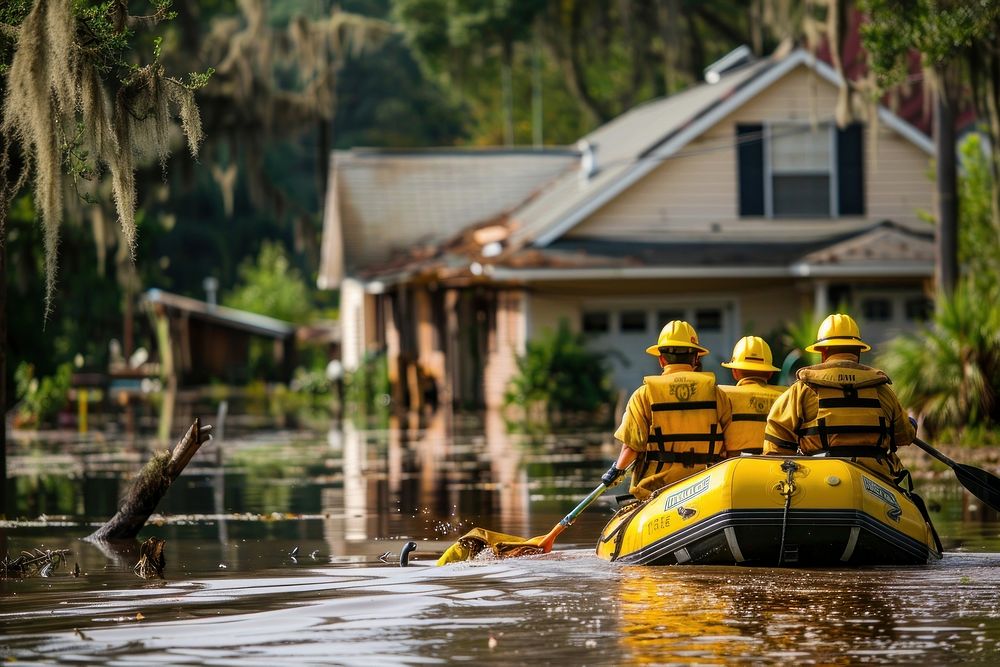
column 384, row 202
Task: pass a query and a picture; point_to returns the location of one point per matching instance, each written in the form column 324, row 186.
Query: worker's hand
column 612, row 476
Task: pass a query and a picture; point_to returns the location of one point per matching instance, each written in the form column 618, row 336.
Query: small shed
column 205, row 341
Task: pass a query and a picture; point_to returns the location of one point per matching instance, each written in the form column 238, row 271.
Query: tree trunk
column 150, row 486
column 946, row 269
column 507, row 92
column 3, row 360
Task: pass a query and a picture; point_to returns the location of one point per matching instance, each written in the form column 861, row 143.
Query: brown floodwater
column 282, row 546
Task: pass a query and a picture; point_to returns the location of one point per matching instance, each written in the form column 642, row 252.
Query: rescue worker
column 841, row 406
column 673, row 424
column 751, row 396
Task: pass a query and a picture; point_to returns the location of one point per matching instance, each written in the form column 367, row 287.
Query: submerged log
column 150, row 486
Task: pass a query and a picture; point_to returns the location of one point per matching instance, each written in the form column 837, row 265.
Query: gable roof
column 381, row 202
column 637, row 142
column 887, row 246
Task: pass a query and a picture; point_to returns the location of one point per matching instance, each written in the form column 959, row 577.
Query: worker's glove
column 612, row 476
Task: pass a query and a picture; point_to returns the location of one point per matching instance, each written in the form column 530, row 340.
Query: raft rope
column 786, row 488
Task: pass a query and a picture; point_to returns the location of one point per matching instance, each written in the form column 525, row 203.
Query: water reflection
column 665, row 617
column 346, row 494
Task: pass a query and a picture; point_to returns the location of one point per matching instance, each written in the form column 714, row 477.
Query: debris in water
column 404, row 554
column 492, row 643
column 151, row 558
column 139, row 616
column 314, row 553
column 79, row 633
column 32, row 563
column 385, row 557
column 76, row 569
column 294, row 552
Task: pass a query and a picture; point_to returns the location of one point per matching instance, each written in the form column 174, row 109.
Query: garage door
column 622, row 332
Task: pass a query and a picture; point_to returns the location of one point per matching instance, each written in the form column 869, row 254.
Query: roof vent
column 741, row 55
column 588, row 159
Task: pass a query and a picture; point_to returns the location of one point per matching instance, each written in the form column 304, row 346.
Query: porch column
column 821, row 299
column 452, row 378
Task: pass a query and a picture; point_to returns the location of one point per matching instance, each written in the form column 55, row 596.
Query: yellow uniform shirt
column 752, row 399
column 639, row 426
column 800, row 405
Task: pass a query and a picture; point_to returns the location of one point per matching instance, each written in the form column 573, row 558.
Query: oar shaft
column 588, row 501
column 935, row 453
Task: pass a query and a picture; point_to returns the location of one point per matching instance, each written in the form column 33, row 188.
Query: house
column 735, row 205
column 211, row 342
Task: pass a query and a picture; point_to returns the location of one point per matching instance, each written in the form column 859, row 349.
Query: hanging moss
column 74, row 102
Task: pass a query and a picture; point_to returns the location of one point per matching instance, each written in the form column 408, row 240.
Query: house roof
column 883, row 249
column 638, row 141
column 383, row 202
column 228, row 317
column 393, row 215
column 886, row 245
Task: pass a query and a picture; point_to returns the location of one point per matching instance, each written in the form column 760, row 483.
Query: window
column 800, row 171
column 918, row 309
column 708, row 320
column 876, row 310
column 596, row 322
column 664, row 316
column 633, row 321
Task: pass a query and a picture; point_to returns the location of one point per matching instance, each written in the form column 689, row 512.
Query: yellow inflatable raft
column 757, row 510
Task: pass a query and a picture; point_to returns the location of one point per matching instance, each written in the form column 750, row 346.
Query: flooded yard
column 283, row 546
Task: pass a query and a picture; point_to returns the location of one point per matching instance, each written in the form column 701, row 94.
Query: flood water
column 282, row 546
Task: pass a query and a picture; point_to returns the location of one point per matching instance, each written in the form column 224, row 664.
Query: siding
column 694, row 195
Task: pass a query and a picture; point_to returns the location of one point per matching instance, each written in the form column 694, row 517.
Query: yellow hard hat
column 677, row 333
column 838, row 330
column 751, row 353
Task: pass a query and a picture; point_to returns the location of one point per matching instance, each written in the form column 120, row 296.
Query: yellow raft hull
column 839, row 513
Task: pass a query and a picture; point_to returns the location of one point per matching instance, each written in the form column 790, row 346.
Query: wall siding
column 694, row 195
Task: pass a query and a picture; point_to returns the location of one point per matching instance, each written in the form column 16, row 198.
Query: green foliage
column 949, row 373
column 938, row 30
column 978, row 234
column 367, row 389
column 560, row 372
column 41, row 398
column 594, row 60
column 272, row 286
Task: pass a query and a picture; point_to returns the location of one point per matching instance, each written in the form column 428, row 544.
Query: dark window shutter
column 750, row 148
column 850, row 170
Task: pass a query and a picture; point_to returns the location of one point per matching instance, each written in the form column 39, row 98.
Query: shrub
column 949, row 373
column 41, row 398
column 559, row 372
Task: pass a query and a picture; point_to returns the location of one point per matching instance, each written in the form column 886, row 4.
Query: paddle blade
column 981, row 484
column 500, row 545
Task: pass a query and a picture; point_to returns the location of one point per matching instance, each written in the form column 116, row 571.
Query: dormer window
column 797, row 170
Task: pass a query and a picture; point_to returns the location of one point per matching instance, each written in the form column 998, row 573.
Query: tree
column 75, row 98
column 603, row 57
column 271, row 286
column 959, row 43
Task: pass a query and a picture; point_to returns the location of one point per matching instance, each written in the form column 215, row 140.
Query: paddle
column 510, row 546
column 981, row 484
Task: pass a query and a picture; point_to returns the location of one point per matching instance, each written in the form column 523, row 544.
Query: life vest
column 850, row 419
column 684, row 428
column 751, row 402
